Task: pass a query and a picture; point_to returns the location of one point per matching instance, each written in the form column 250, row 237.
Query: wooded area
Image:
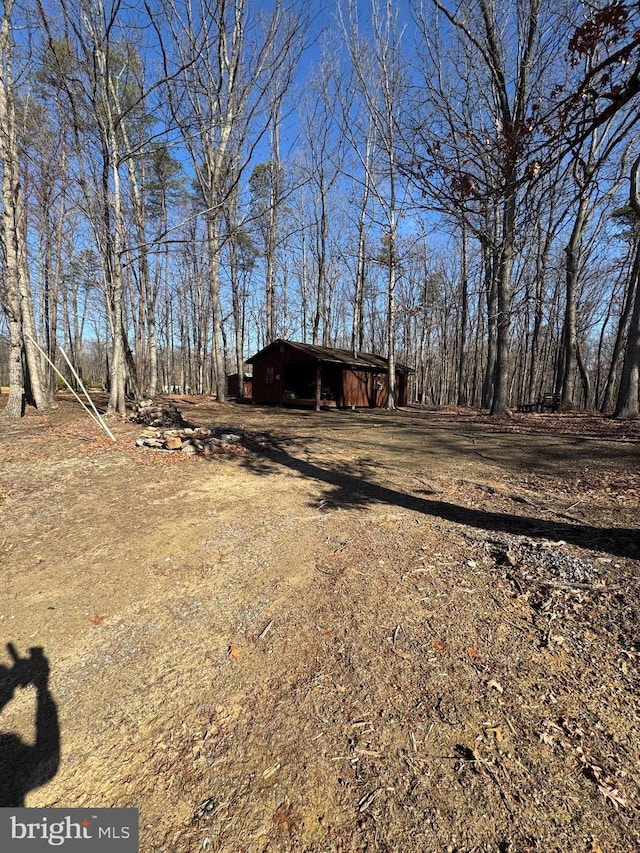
column 455, row 187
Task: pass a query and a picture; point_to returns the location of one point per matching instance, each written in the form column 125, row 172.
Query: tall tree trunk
column 391, row 331
column 150, row 370
column 541, row 266
column 303, row 279
column 618, row 346
column 503, row 324
column 462, row 395
column 584, row 378
column 570, row 329
column 492, row 314
column 319, row 315
column 18, row 304
column 213, row 240
column 111, row 253
column 237, row 298
column 393, row 273
column 272, row 224
column 52, row 289
column 627, row 403
column 238, row 315
column 357, row 333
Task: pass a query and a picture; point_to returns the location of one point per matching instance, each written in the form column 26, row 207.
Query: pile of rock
column 191, row 439
column 150, row 413
column 168, row 431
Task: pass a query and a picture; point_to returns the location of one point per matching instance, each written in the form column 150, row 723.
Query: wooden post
column 318, row 387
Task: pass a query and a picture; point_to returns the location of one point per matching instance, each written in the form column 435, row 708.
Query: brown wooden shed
column 233, row 385
column 295, row 374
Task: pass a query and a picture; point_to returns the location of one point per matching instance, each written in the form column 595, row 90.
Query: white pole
column 86, row 393
column 96, row 417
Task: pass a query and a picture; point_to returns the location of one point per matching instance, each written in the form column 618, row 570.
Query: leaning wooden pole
column 86, row 394
column 94, row 415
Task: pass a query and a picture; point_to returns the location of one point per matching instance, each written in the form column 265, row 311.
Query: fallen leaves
column 497, row 731
column 606, row 786
column 546, row 738
column 612, row 795
column 441, row 646
column 233, row 652
column 551, row 733
column 283, row 819
column 97, row 619
column 401, row 654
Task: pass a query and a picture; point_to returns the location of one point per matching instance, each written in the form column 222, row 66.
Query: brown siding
column 233, row 386
column 269, row 373
column 400, row 392
column 266, row 388
column 351, row 387
column 358, row 388
column 365, row 388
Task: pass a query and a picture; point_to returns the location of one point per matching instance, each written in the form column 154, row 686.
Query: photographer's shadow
column 25, row 766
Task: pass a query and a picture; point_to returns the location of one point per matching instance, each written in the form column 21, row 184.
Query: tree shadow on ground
column 349, row 486
column 25, row 766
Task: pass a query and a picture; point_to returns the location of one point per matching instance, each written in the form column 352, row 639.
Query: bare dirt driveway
column 357, row 631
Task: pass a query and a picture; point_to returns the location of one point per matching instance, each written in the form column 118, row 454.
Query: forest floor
column 359, row 631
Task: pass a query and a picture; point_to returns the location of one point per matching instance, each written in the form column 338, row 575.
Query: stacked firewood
column 150, row 413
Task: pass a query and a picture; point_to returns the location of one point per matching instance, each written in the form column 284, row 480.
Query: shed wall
column 351, row 387
column 268, row 374
column 233, row 385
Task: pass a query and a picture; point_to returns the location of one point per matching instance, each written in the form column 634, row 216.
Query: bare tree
column 45, row 188
column 627, row 405
column 488, row 93
column 323, row 153
column 267, row 190
column 380, row 74
column 588, row 176
column 357, row 333
column 605, row 46
column 88, row 67
column 16, row 294
column 618, row 309
column 228, row 62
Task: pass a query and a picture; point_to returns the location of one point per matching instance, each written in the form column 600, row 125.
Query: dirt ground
column 358, row 631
